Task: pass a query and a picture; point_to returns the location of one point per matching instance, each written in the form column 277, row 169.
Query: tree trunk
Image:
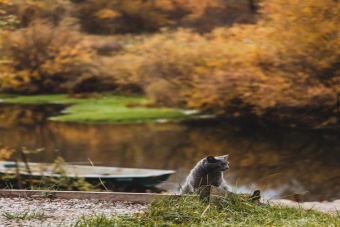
column 252, row 6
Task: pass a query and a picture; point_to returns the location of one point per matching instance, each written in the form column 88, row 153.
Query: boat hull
column 131, row 181
column 138, row 179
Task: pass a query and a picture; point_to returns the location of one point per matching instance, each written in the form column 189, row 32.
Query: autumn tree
column 44, row 58
column 247, row 69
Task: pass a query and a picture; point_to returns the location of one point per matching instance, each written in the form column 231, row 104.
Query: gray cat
column 208, row 171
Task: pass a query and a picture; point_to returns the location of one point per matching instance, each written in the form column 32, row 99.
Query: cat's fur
column 207, row 172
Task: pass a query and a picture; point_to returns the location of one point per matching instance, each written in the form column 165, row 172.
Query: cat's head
column 215, row 164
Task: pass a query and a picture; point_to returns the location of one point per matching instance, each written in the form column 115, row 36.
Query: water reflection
column 306, row 160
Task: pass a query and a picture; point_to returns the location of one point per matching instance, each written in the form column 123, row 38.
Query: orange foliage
column 133, row 16
column 247, row 68
column 44, row 58
column 310, row 35
column 285, row 63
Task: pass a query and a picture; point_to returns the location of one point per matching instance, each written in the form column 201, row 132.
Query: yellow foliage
column 107, row 14
column 5, row 153
column 197, row 7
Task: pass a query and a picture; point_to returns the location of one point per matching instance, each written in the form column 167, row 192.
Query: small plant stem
column 205, row 210
column 27, row 167
column 98, row 176
column 18, row 174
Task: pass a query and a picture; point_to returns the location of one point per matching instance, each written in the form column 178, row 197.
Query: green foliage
column 104, row 221
column 190, row 211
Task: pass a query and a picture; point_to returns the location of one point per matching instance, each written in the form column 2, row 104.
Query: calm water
column 291, row 161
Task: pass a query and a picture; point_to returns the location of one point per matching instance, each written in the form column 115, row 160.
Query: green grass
column 192, row 212
column 25, row 216
column 4, row 96
column 110, row 109
column 64, row 99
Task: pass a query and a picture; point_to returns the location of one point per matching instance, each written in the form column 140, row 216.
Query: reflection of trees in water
column 307, row 160
column 12, row 115
column 255, row 154
column 25, row 125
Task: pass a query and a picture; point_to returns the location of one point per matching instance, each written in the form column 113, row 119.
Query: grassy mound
column 191, row 211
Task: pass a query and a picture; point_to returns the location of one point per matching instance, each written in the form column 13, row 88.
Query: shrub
column 127, row 16
column 44, row 58
column 245, row 69
column 49, row 10
column 135, row 16
column 188, row 68
column 120, row 16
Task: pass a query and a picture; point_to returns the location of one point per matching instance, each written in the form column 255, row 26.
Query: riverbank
column 77, row 212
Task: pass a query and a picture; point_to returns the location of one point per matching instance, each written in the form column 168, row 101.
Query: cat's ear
column 210, row 159
column 225, row 157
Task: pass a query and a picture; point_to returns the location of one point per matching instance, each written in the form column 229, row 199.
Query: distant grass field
column 110, row 109
column 192, row 212
column 3, row 96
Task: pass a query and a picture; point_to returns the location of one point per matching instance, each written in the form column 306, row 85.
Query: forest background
column 275, row 61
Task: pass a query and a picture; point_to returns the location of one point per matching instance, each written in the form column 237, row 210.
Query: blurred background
column 162, row 84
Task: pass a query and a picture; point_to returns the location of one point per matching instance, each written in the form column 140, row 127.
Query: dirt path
column 60, row 212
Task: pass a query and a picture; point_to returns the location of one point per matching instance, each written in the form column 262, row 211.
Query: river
column 280, row 162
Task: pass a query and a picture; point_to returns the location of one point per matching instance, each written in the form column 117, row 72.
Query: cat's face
column 215, row 164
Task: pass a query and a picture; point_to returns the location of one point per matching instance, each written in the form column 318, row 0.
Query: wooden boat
column 111, row 176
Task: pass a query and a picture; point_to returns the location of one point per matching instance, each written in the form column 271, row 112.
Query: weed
column 25, row 215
